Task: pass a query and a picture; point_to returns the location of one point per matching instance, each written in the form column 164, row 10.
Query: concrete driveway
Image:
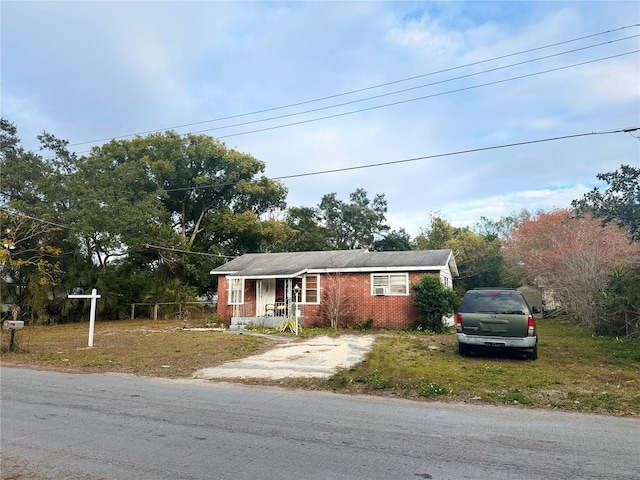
column 319, row 357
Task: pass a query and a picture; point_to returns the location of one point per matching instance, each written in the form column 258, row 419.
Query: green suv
column 496, row 318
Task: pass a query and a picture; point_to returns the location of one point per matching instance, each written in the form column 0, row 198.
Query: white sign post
column 92, row 315
column 296, row 290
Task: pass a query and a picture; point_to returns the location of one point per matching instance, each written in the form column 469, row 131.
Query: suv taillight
column 459, row 322
column 531, row 323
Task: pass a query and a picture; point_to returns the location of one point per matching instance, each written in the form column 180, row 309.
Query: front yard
column 574, row 371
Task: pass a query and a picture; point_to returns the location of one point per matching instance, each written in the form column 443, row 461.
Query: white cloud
column 98, row 69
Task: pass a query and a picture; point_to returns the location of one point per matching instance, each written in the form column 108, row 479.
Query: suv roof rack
column 495, row 288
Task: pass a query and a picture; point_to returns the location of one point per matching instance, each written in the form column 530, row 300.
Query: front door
column 265, row 296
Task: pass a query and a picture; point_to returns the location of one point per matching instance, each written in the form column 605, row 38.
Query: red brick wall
column 224, row 310
column 393, row 312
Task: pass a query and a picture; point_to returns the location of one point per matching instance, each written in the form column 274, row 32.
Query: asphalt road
column 107, row 426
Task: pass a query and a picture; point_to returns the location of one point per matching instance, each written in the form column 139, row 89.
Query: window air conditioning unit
column 378, row 291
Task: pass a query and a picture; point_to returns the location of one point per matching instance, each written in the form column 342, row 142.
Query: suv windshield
column 494, row 302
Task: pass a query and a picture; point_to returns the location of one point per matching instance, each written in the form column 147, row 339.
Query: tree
column 433, row 301
column 435, row 236
column 479, row 257
column 197, row 176
column 356, row 224
column 619, row 203
column 233, row 233
column 503, row 226
column 23, row 173
column 29, row 253
column 336, row 306
column 112, row 207
column 28, row 263
column 309, row 235
column 619, row 304
column 189, row 193
column 570, row 257
column 394, row 241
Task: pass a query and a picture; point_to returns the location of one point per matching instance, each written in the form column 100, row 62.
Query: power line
column 359, row 167
column 392, row 162
column 427, row 157
column 388, row 94
column 367, row 88
column 188, row 251
column 400, row 102
column 460, row 152
column 20, row 214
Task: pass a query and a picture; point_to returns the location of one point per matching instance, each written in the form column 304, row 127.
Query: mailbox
column 12, row 324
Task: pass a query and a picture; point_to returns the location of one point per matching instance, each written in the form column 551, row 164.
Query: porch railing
column 276, row 309
column 244, row 310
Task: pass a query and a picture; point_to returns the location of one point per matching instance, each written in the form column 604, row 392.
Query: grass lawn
column 574, row 371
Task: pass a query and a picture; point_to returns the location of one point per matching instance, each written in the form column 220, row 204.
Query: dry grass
column 574, row 371
column 160, row 348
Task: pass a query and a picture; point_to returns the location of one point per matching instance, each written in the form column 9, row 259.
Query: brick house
column 353, row 285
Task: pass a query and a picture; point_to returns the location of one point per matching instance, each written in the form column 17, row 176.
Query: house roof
column 291, row 264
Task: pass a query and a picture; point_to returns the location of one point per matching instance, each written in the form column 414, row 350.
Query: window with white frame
column 390, row 284
column 236, row 291
column 309, row 288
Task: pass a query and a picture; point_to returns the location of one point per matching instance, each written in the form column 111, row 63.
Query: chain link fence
column 181, row 310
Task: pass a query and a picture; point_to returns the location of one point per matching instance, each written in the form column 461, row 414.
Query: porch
column 271, row 317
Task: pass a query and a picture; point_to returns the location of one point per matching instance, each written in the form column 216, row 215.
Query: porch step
column 239, row 323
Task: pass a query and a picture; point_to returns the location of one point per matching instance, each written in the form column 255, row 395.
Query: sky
column 311, row 87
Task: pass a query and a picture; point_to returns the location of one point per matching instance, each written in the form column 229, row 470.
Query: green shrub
column 214, row 321
column 433, row 301
column 288, row 325
column 364, row 325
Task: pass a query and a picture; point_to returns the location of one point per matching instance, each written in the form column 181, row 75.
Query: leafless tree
column 337, row 305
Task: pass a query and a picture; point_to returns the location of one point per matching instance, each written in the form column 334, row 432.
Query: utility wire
column 187, row 251
column 414, row 159
column 628, row 130
column 392, row 162
column 400, row 102
column 388, row 94
column 395, row 162
column 460, row 152
column 19, row 214
column 367, row 88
